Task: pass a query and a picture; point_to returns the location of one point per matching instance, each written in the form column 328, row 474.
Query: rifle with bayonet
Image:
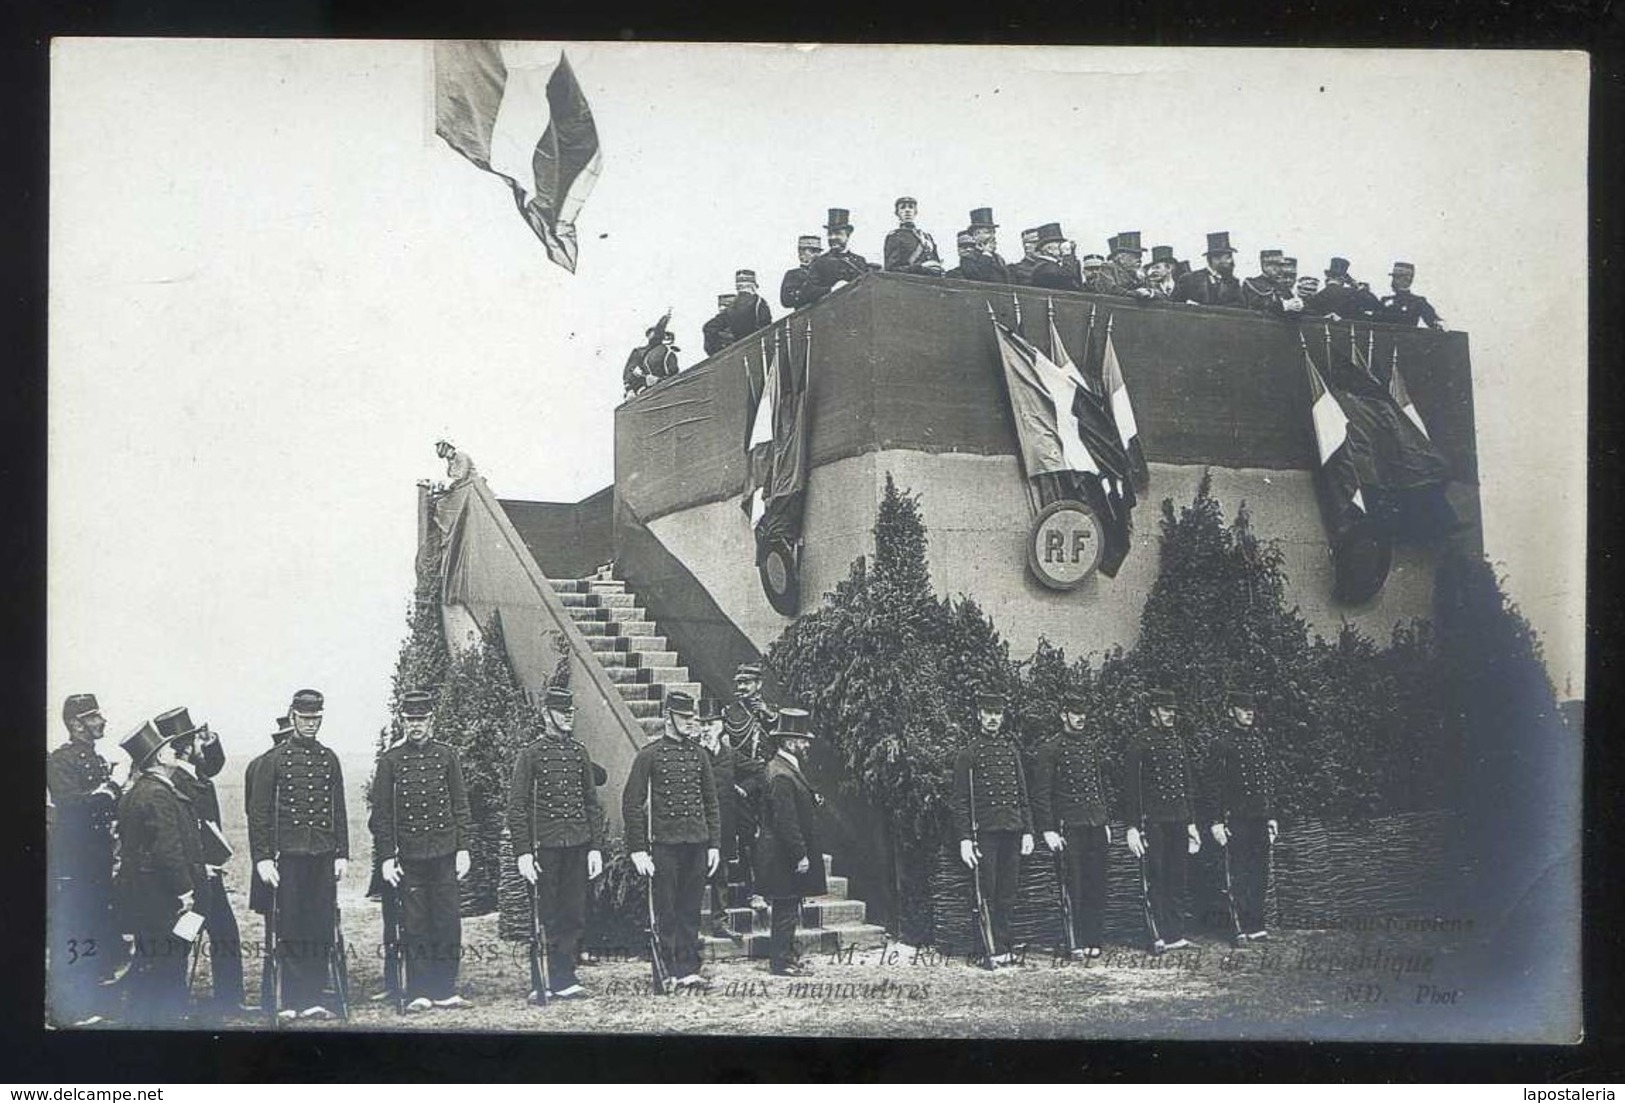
column 541, row 980
column 663, row 980
column 1066, row 896
column 984, row 920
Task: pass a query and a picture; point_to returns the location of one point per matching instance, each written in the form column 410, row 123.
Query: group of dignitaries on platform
column 1049, row 260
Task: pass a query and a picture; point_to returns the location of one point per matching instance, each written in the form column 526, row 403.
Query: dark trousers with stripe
column 1249, row 856
column 782, row 942
column 432, row 926
column 1084, row 860
column 1166, row 854
column 679, row 888
column 306, row 897
column 999, row 871
column 561, row 888
column 225, row 944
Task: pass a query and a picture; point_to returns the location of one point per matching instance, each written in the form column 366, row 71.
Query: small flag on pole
column 1331, row 423
column 1402, row 396
column 530, row 125
column 1128, row 430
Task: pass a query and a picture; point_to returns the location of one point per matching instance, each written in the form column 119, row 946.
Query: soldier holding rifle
column 1242, row 813
column 993, row 818
column 1158, row 790
column 1069, row 808
column 557, row 825
column 260, row 893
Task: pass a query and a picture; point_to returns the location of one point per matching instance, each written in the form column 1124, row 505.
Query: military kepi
column 1161, row 699
column 810, row 241
column 80, row 705
column 679, row 703
column 417, row 703
column 559, row 699
column 993, row 702
column 307, row 702
column 1240, row 699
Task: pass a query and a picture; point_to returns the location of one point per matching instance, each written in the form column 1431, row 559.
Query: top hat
column 1217, row 243
column 680, row 703
column 982, row 219
column 174, row 724
column 1073, row 701
column 964, row 237
column 1266, row 256
column 747, row 670
column 1162, row 254
column 709, row 709
column 1048, row 232
column 307, row 702
column 416, row 704
column 839, row 219
column 143, row 743
column 726, row 300
column 902, row 199
column 1338, row 266
column 794, row 722
column 1160, row 699
column 810, row 241
column 1126, row 242
column 283, row 728
column 743, row 275
column 78, row 705
column 990, row 701
column 1030, row 236
column 558, row 698
column 1237, row 699
column 1403, row 268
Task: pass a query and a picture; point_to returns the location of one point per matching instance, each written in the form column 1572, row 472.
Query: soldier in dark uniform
column 85, row 947
column 993, row 816
column 1343, row 298
column 965, row 243
column 723, row 759
column 1241, row 794
column 672, row 831
column 201, row 758
column 1215, row 285
column 1021, row 272
column 1158, row 789
column 1266, row 292
column 792, row 850
column 259, row 893
column 1121, row 275
column 715, row 331
column 1159, row 274
column 838, row 264
column 557, row 826
column 748, row 312
column 652, row 361
column 1052, row 267
column 300, row 841
column 1404, row 307
column 984, row 265
column 909, row 248
column 746, row 722
column 1069, row 808
column 422, row 828
column 160, row 878
column 793, row 288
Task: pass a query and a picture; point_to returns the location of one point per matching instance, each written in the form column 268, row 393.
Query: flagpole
column 1110, row 318
column 1328, row 348
column 1371, row 346
column 1088, row 340
column 1049, row 316
column 1016, row 299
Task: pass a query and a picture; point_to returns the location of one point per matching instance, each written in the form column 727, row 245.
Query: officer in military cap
column 992, row 815
column 557, row 825
column 1052, row 266
column 1241, row 810
column 729, row 794
column 673, row 832
column 1158, row 790
column 792, row 849
column 1404, row 307
column 459, row 467
column 1021, row 272
column 1121, row 275
column 259, row 893
column 654, row 360
column 793, row 288
column 715, row 331
column 300, row 841
column 85, row 947
column 984, row 265
column 1159, row 274
column 160, row 877
column 909, row 248
column 748, row 312
column 965, row 243
column 422, row 827
column 838, row 264
column 1216, row 284
column 746, row 722
column 1069, row 809
column 1268, row 292
column 200, row 760
column 1343, row 297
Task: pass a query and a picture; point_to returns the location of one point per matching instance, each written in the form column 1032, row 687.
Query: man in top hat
column 422, row 827
column 673, row 833
column 1404, row 307
column 259, row 893
column 984, row 265
column 1021, row 272
column 85, row 946
column 1270, row 292
column 557, row 825
column 1159, row 274
column 965, row 244
column 1158, row 790
column 1241, row 810
column 160, row 877
column 1216, row 284
column 723, row 769
column 909, row 248
column 715, row 331
column 1052, row 265
column 838, row 264
column 652, row 361
column 1121, row 275
column 200, row 758
column 1069, row 809
column 459, row 468
column 299, row 835
column 1343, row 297
column 746, row 722
column 793, row 288
column 993, row 817
column 792, row 852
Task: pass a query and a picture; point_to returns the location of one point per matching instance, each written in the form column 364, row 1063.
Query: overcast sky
column 272, row 288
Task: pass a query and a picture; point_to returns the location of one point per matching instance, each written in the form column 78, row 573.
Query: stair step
column 837, row 889
column 605, row 645
column 833, row 913
column 644, row 710
column 618, row 673
column 639, row 691
column 613, row 599
column 651, row 658
column 609, row 586
column 572, row 600
column 652, row 725
column 596, row 628
column 814, row 942
column 584, row 613
column 631, row 627
column 669, row 676
column 644, row 643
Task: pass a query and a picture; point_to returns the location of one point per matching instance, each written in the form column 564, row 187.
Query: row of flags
column 1077, row 433
column 776, row 432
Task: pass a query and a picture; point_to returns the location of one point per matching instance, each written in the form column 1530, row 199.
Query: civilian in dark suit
column 984, row 265
column 1052, row 266
column 1215, row 285
column 839, row 264
column 790, row 854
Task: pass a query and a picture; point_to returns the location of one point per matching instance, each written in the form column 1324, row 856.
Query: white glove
column 595, row 864
column 527, row 867
column 803, row 866
column 1053, row 840
column 643, row 863
column 1195, row 838
column 186, row 898
column 1275, row 829
column 339, row 865
column 1220, row 835
column 1142, row 292
column 1292, row 305
column 392, row 871
column 713, row 858
column 967, row 853
column 463, row 863
column 267, row 871
column 1136, row 845
column 1108, row 834
column 1026, row 843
